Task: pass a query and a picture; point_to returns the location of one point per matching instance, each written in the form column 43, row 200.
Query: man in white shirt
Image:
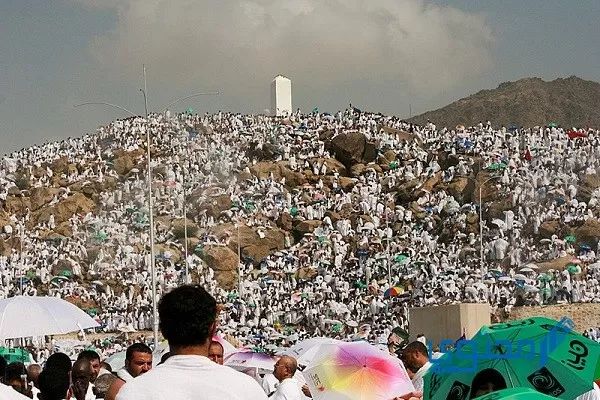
column 416, row 358
column 288, row 388
column 188, row 317
column 138, row 361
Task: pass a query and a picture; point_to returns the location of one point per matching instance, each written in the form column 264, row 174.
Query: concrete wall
column 584, row 315
column 281, row 96
column 447, row 322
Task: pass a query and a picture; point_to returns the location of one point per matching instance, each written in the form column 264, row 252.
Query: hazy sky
column 380, row 55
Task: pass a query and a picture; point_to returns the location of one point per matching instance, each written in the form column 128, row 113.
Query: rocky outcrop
column 352, row 148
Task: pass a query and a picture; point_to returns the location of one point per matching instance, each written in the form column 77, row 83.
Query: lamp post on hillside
column 481, row 185
column 149, row 177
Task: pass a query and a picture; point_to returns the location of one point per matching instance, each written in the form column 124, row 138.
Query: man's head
column 53, row 384
column 215, row 352
column 187, row 317
column 106, row 366
column 59, row 361
column 138, row 359
column 285, row 368
column 102, row 384
column 82, row 372
column 33, row 373
column 15, row 376
column 415, row 355
column 94, row 359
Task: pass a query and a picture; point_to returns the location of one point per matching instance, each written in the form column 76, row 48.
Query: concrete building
column 448, row 322
column 281, row 96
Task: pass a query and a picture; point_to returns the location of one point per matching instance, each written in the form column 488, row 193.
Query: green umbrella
column 14, row 355
column 570, row 239
column 400, row 257
column 553, row 125
column 538, row 353
column 66, row 272
column 294, row 211
column 516, row 394
column 573, row 269
column 190, row 111
column 544, row 278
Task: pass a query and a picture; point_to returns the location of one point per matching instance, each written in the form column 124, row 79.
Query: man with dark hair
column 188, row 321
column 138, row 361
column 81, row 376
column 94, row 359
column 59, row 361
column 416, row 358
column 15, row 376
column 54, row 384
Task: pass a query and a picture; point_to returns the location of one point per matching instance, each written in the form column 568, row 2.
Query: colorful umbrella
column 516, row 394
column 537, row 353
column 393, row 291
column 356, row 370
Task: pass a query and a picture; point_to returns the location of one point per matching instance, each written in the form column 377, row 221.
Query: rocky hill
column 527, row 102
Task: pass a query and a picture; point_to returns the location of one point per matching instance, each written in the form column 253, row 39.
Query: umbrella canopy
column 570, row 239
column 516, row 394
column 243, row 360
column 24, row 316
column 305, row 351
column 537, row 353
column 393, row 291
column 356, row 370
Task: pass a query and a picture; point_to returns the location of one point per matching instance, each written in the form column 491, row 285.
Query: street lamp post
column 481, row 263
column 151, row 219
column 150, row 205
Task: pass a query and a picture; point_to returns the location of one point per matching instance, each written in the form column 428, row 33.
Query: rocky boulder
column 307, row 226
column 40, row 196
column 250, row 243
column 549, row 228
column 461, row 189
column 352, row 148
column 124, row 163
column 224, row 262
column 588, row 233
column 285, row 221
column 77, row 203
column 588, row 183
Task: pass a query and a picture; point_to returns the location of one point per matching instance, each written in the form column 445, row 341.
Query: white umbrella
column 243, row 360
column 24, row 316
column 526, row 269
column 520, row 277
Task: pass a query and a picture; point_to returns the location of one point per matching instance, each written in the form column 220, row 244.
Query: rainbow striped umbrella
column 356, row 371
column 393, row 291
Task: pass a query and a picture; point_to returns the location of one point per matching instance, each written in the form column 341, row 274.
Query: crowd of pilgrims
column 344, row 291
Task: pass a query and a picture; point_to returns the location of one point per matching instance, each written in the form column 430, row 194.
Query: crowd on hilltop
column 350, row 276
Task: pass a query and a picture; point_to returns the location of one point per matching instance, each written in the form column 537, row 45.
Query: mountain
column 527, row 102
